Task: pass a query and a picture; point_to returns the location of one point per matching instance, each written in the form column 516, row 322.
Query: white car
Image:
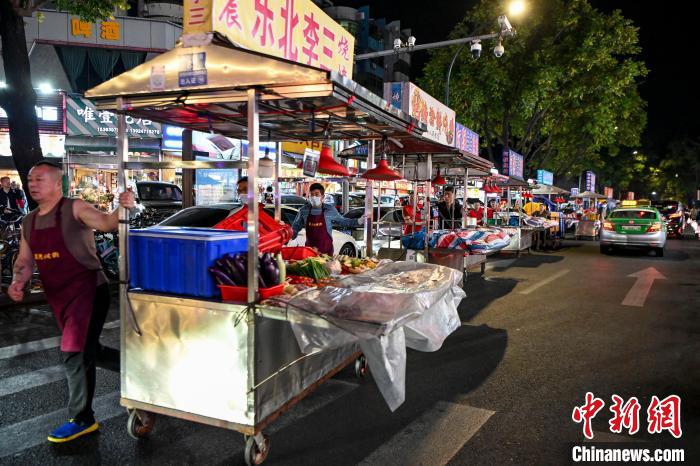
column 206, row 216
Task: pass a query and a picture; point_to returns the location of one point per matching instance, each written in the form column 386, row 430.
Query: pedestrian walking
column 58, row 236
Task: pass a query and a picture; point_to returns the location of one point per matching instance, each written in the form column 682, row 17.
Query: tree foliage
column 18, row 98
column 564, row 93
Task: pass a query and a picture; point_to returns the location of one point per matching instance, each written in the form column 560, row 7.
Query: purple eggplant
column 269, row 270
column 239, row 264
column 220, row 277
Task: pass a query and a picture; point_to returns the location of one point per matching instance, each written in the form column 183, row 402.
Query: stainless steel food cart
column 235, row 366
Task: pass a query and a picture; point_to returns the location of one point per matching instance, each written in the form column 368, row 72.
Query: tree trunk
column 18, row 99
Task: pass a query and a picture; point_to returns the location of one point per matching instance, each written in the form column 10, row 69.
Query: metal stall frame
column 245, row 92
column 422, row 150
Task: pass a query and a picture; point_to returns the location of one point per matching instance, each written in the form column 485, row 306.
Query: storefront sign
column 297, row 30
column 109, row 30
column 574, row 191
column 83, row 119
column 300, row 147
column 52, row 145
column 512, row 164
column 590, row 181
column 545, row 177
column 50, row 113
column 466, row 139
column 630, row 195
column 411, row 99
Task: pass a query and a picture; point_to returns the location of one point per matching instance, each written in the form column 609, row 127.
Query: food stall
column 521, row 233
column 416, row 158
column 588, row 225
column 240, row 363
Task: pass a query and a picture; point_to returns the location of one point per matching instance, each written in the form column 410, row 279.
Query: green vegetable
column 308, row 268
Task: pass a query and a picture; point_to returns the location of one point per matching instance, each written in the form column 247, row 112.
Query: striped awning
column 83, row 119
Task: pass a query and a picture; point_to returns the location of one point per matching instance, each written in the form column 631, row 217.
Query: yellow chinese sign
column 296, row 30
column 80, row 28
column 197, row 16
column 300, row 147
column 109, row 30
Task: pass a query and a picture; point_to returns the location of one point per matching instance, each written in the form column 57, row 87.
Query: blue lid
column 202, row 234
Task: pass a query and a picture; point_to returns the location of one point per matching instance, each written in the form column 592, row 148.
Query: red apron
column 317, row 234
column 69, row 286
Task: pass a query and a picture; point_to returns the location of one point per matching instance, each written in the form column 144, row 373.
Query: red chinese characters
column 311, row 38
column 265, row 17
column 291, row 20
column 587, row 412
column 229, row 14
column 344, row 48
column 624, row 415
column 665, row 415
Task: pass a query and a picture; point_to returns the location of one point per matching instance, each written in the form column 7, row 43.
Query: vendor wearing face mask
column 318, row 219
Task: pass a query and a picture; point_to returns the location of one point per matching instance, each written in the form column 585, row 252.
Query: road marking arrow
column 640, row 290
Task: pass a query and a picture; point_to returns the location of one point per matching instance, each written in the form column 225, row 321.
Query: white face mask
column 243, row 198
column 315, row 201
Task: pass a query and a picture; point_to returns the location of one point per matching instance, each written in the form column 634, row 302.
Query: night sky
column 667, row 37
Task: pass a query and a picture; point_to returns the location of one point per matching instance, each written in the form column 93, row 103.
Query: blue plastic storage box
column 177, row 259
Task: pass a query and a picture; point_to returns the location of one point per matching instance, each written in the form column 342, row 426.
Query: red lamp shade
column 327, row 164
column 439, row 180
column 382, row 172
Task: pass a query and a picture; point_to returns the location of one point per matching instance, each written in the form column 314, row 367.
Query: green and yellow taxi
column 638, row 226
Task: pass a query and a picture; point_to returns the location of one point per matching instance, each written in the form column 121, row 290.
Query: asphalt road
column 538, row 333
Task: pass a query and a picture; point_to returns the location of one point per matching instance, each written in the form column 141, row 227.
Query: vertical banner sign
column 297, row 30
column 545, row 177
column 466, row 140
column 411, row 99
column 197, row 16
column 513, row 164
column 590, row 181
column 574, row 191
column 608, row 191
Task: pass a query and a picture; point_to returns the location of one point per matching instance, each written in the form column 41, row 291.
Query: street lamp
column 516, row 8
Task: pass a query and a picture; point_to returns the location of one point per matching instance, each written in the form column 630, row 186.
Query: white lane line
column 500, row 264
column 547, row 280
column 39, row 345
column 32, row 432
column 434, row 438
column 17, row 383
column 218, row 440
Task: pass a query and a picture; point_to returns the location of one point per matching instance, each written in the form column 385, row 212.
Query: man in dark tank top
column 58, row 238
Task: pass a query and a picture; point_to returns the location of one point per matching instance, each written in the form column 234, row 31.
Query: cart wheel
column 137, row 427
column 254, row 455
column 361, row 367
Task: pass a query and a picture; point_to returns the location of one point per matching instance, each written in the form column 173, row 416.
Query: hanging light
column 382, row 171
column 328, row 165
column 439, row 180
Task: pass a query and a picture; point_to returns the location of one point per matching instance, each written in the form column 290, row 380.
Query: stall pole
column 428, row 217
column 345, row 196
column 464, row 207
column 123, row 157
column 253, row 205
column 278, row 195
column 187, row 173
column 369, row 198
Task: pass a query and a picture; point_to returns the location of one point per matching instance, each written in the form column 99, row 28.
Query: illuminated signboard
column 297, row 30
column 545, row 177
column 411, row 99
column 513, row 164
